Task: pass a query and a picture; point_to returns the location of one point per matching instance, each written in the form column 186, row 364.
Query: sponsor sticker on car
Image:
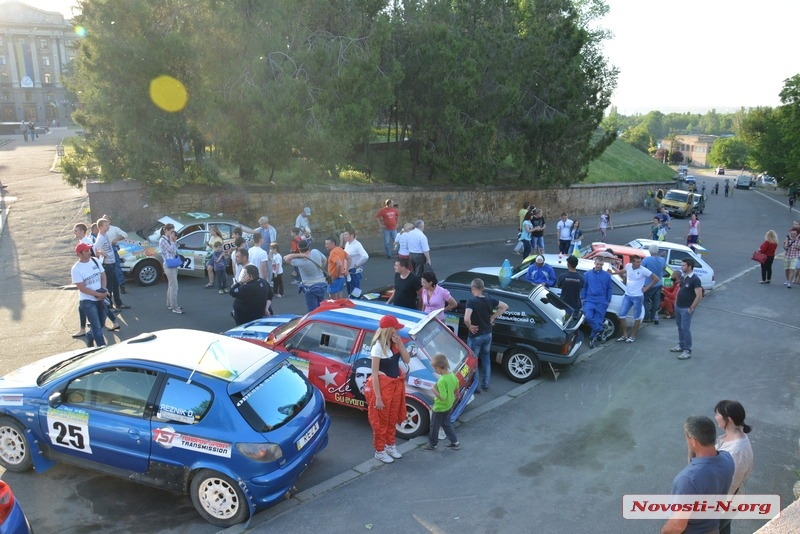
column 168, row 438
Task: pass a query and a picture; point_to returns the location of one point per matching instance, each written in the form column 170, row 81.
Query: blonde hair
column 771, row 236
column 383, row 336
column 440, row 361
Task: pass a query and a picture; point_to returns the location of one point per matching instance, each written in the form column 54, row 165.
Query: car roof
column 181, row 220
column 207, row 353
column 663, row 244
column 365, row 314
column 620, row 250
column 491, row 282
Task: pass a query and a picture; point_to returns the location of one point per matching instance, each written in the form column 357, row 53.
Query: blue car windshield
column 274, row 401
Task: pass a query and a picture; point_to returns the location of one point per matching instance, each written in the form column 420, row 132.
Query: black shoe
column 477, row 391
column 591, row 342
column 655, row 321
column 89, row 341
column 123, row 307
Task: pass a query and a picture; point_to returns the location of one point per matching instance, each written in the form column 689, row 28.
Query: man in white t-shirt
column 635, row 277
column 258, row 256
column 89, row 277
column 357, row 258
column 564, row 233
column 418, row 249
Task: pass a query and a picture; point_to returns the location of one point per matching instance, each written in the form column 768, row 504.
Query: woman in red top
column 768, row 247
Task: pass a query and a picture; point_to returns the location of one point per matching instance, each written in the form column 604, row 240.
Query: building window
column 48, row 78
column 28, row 96
column 46, row 61
column 43, row 43
column 3, row 59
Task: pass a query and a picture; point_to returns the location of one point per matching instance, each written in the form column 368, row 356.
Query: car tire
column 418, row 420
column 521, row 365
column 15, row 452
column 218, row 498
column 611, row 327
column 147, row 272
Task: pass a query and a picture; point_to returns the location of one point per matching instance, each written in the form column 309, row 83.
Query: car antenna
column 217, row 357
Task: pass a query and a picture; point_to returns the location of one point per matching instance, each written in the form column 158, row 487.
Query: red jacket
column 768, row 248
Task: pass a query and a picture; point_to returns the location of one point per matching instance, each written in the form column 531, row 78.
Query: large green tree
column 730, row 152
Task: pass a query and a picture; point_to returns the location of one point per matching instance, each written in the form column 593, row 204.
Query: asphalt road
column 590, row 436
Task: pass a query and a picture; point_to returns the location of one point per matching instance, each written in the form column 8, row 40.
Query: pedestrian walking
column 689, row 296
column 768, row 248
column 479, row 316
column 716, row 188
column 445, row 396
column 792, row 198
column 388, row 217
column 605, row 224
column 276, row 264
column 791, row 246
column 693, row 235
column 385, row 391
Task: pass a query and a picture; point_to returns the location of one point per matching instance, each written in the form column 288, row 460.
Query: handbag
column 759, row 256
column 172, row 263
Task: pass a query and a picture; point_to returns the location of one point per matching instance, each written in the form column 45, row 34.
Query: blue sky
column 721, row 54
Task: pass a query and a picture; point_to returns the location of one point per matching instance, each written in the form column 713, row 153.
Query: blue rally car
column 231, row 423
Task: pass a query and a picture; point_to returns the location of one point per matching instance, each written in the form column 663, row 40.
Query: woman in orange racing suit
column 385, row 390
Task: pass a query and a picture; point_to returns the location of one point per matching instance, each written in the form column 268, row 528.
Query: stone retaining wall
column 133, row 206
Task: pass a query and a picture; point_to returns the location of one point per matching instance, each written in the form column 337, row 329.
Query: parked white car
column 675, row 253
column 611, row 328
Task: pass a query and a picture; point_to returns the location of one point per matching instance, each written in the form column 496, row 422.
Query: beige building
column 695, row 148
column 35, row 48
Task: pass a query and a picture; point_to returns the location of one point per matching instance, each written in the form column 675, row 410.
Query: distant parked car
column 767, row 181
column 720, row 171
column 142, row 259
column 743, row 181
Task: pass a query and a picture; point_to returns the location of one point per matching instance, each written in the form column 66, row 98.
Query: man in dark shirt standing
column 689, row 296
column 571, row 284
column 406, row 285
column 481, row 311
column 251, row 296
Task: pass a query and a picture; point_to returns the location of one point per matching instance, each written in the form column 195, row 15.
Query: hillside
column 623, row 163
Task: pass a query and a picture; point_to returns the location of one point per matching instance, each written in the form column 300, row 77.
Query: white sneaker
column 383, row 457
column 392, row 451
column 685, row 355
column 676, row 348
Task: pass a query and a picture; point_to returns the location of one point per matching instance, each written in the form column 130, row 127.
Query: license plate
column 307, row 436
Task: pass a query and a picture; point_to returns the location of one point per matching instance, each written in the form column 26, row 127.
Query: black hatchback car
column 537, row 327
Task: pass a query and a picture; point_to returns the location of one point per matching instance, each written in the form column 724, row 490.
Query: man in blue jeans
column 656, row 264
column 479, row 316
column 635, row 277
column 311, row 264
column 689, row 296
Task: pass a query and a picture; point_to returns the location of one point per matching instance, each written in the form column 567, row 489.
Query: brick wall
column 134, row 206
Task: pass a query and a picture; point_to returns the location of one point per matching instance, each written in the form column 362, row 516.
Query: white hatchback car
column 675, row 253
column 611, row 328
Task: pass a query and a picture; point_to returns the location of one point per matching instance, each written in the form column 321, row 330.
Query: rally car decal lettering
column 174, row 413
column 168, row 438
column 10, row 400
column 69, row 428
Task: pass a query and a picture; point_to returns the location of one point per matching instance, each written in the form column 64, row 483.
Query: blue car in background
column 231, row 423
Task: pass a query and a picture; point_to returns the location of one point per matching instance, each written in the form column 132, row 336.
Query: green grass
column 622, row 162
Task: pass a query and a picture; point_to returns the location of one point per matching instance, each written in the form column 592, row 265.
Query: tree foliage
column 483, row 89
column 729, row 152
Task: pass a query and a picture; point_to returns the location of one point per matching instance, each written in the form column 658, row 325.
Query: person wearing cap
column 311, row 265
column 89, row 276
column 385, row 390
column 595, row 298
column 540, row 273
column 303, row 223
column 387, row 219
